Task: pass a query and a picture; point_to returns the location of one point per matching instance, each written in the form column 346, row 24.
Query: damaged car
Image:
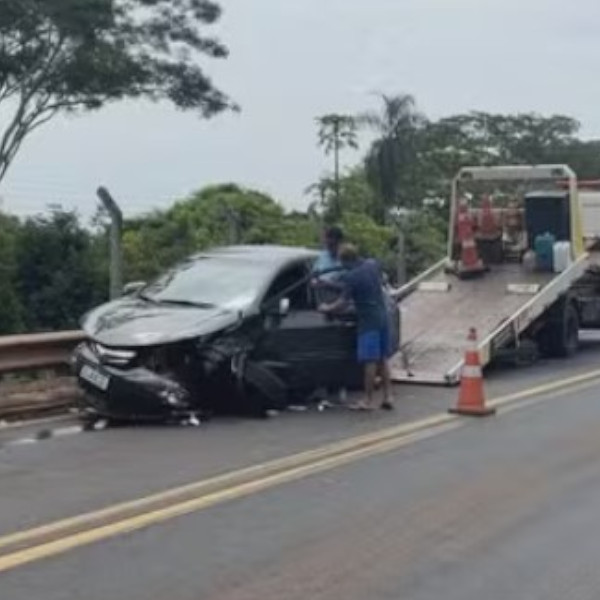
column 233, row 329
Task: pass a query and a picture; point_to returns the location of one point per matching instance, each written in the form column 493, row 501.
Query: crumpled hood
column 133, row 322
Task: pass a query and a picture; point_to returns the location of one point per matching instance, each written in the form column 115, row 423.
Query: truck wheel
column 560, row 336
column 571, row 344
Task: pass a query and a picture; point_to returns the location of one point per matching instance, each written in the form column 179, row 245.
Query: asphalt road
column 500, row 508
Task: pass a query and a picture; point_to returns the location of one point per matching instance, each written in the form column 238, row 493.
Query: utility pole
column 401, row 264
column 116, row 254
column 400, row 222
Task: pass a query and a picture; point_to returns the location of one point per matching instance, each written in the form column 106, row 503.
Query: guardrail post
column 116, row 255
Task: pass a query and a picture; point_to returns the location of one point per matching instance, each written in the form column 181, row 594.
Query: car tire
column 263, row 391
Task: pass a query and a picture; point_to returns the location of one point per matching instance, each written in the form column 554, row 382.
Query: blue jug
column 544, row 251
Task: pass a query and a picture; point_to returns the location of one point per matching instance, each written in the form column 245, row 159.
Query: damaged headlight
column 113, row 356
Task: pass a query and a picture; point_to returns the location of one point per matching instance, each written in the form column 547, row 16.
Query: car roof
column 273, row 255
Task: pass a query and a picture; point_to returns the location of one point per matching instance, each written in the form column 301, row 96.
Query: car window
column 292, row 283
column 218, row 281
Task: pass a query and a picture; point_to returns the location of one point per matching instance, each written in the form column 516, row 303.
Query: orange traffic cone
column 488, row 224
column 471, row 399
column 469, row 265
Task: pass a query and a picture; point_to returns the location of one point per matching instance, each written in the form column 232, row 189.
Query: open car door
column 307, row 348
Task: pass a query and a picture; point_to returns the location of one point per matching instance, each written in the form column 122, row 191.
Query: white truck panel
column 590, row 212
column 516, row 173
column 435, row 324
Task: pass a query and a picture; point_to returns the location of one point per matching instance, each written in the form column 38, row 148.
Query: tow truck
column 514, row 307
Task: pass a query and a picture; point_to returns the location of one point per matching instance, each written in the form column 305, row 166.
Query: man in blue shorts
column 362, row 283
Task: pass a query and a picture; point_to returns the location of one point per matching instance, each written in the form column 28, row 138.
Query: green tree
column 213, row 216
column 56, row 279
column 477, row 138
column 425, row 242
column 68, row 55
column 229, row 214
column 299, row 229
column 391, row 160
column 355, row 195
column 10, row 306
column 336, row 132
column 371, row 239
column 506, row 139
column 582, row 156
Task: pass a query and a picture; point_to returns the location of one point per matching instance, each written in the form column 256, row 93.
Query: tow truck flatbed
column 435, row 323
column 504, row 304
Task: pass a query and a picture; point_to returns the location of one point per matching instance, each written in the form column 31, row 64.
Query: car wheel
column 263, row 391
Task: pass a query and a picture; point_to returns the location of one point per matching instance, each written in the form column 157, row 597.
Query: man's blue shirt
column 363, row 285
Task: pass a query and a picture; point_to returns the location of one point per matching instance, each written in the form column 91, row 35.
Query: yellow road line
column 230, row 478
column 545, row 388
column 526, row 402
column 60, row 546
column 245, row 481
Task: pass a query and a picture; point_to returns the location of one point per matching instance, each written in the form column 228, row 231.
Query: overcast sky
column 294, row 59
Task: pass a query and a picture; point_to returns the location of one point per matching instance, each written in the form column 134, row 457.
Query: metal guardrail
column 37, row 351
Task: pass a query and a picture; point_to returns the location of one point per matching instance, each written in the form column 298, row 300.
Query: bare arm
column 337, row 306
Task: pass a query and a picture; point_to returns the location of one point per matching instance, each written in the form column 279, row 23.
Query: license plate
column 94, row 377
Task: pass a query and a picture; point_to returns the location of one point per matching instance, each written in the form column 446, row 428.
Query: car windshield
column 209, row 281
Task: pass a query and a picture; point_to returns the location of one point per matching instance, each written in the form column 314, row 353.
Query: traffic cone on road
column 469, row 265
column 471, row 399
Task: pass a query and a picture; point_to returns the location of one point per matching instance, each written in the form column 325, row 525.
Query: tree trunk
column 336, row 174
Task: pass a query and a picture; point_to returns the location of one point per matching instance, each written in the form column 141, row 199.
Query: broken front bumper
column 136, row 393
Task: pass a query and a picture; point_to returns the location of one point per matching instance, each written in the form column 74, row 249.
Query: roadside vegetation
column 62, row 56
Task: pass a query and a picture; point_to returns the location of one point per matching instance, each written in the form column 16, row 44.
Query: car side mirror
column 131, row 288
column 277, row 308
column 284, row 306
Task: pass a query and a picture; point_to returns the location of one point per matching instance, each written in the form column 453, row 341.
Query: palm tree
column 394, row 151
column 337, row 132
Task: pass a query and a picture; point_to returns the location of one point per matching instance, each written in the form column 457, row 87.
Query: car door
column 311, row 349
